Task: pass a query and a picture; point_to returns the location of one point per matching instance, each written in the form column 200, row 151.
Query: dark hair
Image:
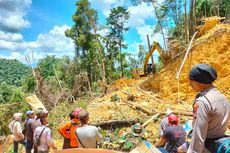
column 71, row 116
column 42, row 120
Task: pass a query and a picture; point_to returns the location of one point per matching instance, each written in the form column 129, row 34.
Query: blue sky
column 36, row 27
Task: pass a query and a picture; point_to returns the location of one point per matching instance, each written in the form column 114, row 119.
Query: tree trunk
column 158, row 18
column 121, row 60
column 153, row 67
column 185, row 22
column 192, row 18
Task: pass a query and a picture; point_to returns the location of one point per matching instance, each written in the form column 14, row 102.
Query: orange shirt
column 68, row 129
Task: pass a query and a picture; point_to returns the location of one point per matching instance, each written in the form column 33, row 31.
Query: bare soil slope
column 212, row 48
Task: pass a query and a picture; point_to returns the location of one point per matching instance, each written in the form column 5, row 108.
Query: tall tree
column 86, row 52
column 116, row 23
column 141, row 55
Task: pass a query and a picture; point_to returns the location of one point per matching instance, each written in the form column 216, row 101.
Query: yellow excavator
column 140, row 72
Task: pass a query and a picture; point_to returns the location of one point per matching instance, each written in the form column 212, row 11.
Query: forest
column 99, row 60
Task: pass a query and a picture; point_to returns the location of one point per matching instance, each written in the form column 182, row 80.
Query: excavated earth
column 162, row 90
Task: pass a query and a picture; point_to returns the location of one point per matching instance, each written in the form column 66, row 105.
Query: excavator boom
column 155, row 46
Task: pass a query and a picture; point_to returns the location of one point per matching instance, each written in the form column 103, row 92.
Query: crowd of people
column 36, row 133
column 211, row 116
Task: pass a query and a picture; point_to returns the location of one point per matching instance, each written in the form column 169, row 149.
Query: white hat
column 168, row 111
column 17, row 116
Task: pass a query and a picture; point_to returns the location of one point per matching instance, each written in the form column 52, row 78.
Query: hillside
column 140, row 99
column 212, row 48
column 12, row 71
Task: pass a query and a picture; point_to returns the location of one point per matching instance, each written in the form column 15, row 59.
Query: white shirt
column 46, row 138
column 16, row 129
column 89, row 136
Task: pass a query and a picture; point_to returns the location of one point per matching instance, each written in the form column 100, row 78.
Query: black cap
column 203, row 73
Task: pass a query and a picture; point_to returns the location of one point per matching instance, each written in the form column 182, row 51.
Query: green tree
column 12, row 71
column 88, row 53
column 116, row 23
column 225, row 9
column 141, row 55
column 6, row 93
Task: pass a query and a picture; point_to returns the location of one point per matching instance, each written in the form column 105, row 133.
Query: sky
column 35, row 28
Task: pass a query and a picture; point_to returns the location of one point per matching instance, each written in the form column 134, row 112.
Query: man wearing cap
column 37, row 122
column 28, row 127
column 87, row 135
column 67, row 130
column 164, row 122
column 211, row 110
column 173, row 135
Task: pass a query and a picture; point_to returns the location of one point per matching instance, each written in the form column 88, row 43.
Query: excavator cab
column 149, row 69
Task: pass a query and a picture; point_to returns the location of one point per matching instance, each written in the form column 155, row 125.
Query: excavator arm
column 155, row 46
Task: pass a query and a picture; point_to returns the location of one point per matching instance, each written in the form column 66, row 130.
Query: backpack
column 37, row 141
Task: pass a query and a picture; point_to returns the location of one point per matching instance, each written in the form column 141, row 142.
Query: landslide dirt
column 159, row 92
column 212, row 48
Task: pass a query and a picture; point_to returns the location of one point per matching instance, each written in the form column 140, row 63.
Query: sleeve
column 166, row 133
column 63, row 130
column 163, row 126
column 49, row 138
column 11, row 127
column 19, row 130
column 200, row 128
column 35, row 135
column 98, row 135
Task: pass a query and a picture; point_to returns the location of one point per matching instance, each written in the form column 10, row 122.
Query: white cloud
column 12, row 15
column 106, row 5
column 52, row 43
column 55, row 41
column 10, row 36
column 139, row 13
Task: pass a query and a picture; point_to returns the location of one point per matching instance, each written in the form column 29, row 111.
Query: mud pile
column 212, row 48
column 129, row 99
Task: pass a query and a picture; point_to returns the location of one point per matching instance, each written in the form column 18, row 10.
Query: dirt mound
column 212, row 48
column 129, row 99
column 121, row 83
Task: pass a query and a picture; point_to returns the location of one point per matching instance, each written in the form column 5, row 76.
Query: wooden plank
column 143, row 148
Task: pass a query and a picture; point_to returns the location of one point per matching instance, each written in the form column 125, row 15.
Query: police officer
column 211, row 110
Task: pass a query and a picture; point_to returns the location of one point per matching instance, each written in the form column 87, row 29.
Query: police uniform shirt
column 211, row 114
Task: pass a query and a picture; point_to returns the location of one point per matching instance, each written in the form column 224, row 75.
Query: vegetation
column 101, row 57
column 12, row 72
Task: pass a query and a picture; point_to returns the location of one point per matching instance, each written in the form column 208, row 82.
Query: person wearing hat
column 211, row 110
column 37, row 122
column 88, row 136
column 164, row 122
column 28, row 130
column 16, row 129
column 173, row 136
column 132, row 139
column 67, row 130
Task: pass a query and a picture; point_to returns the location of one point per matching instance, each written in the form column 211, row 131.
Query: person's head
column 30, row 114
column 173, row 119
column 137, row 129
column 71, row 116
column 45, row 113
column 76, row 114
column 39, row 113
column 201, row 76
column 83, row 116
column 17, row 116
column 44, row 121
